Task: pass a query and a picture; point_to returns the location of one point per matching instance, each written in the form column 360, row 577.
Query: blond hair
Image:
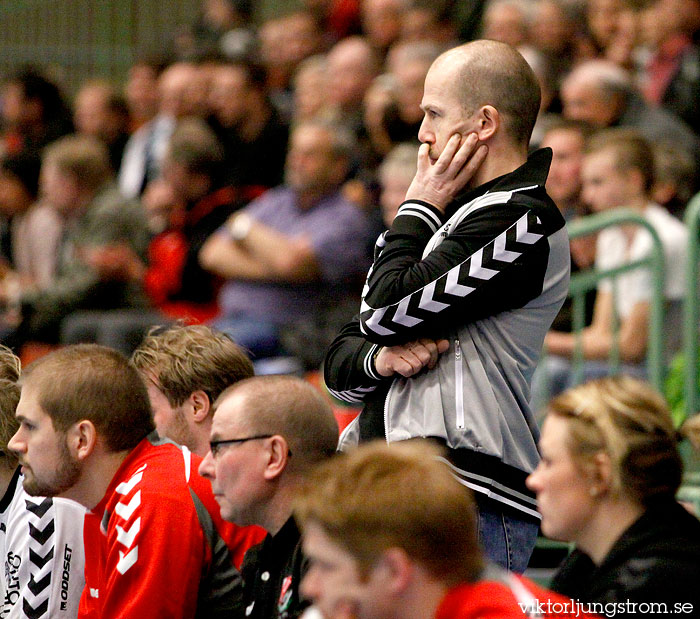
column 188, row 358
column 631, row 422
column 85, row 158
column 401, row 160
column 10, row 365
column 382, row 496
column 630, row 149
column 9, row 397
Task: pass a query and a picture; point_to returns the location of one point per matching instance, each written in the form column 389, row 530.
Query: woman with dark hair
column 607, row 481
column 34, row 112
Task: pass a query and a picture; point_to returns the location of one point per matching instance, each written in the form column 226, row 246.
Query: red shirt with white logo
column 156, row 546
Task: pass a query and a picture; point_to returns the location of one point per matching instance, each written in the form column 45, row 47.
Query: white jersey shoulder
column 41, row 548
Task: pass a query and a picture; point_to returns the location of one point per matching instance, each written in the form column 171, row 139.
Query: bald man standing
column 462, row 291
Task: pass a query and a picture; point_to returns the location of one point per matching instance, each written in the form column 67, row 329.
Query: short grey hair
column 609, row 78
column 342, row 142
column 402, row 159
column 291, row 407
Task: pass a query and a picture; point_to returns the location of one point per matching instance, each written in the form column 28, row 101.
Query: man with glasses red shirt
column 267, row 434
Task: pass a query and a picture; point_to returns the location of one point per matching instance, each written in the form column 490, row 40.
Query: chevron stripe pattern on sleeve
column 128, row 529
column 456, row 284
column 41, row 529
column 41, row 549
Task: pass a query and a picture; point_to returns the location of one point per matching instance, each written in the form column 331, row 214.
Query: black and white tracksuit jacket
column 490, row 276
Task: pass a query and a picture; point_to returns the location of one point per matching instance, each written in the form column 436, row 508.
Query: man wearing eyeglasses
column 154, row 540
column 267, row 434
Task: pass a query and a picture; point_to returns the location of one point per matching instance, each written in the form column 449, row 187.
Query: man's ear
column 81, row 439
column 601, row 478
column 201, row 405
column 341, row 166
column 636, row 181
column 488, row 122
column 278, row 457
column 663, row 192
column 395, row 570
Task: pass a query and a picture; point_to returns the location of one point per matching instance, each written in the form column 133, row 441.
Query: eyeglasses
column 215, row 446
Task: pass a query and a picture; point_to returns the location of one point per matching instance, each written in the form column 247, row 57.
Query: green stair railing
column 691, row 309
column 586, row 280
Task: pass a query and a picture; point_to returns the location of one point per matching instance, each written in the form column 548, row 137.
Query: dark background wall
column 73, row 40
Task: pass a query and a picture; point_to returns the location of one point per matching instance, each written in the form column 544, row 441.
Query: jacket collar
column 656, row 526
column 533, row 172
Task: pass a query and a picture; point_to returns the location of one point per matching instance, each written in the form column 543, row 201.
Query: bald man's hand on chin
column 438, row 181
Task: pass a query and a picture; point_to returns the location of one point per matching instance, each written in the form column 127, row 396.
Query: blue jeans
column 506, row 539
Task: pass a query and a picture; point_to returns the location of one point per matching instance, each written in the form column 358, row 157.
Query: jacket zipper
column 386, row 412
column 459, row 387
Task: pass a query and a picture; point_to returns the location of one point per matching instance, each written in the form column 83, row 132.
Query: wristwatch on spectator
column 239, row 226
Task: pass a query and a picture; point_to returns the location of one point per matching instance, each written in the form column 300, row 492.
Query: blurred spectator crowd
column 241, row 178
